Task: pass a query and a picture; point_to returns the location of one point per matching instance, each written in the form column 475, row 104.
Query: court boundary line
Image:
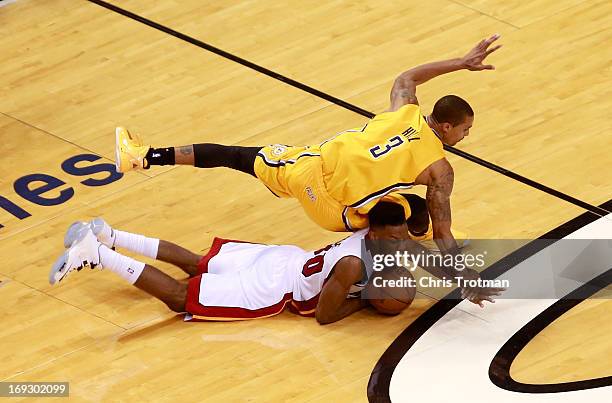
column 313, row 91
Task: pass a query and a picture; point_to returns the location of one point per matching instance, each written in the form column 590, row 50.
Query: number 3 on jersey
column 377, row 151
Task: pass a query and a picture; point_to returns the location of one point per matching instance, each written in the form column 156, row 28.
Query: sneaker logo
column 130, row 270
column 156, row 155
column 310, row 193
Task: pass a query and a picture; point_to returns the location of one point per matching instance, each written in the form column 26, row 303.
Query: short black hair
column 451, row 109
column 386, row 213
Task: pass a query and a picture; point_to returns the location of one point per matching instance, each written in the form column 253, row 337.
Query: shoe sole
column 97, row 225
column 73, row 235
column 57, row 266
column 118, row 167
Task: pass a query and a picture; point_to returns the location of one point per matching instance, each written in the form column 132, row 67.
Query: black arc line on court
column 506, row 172
column 380, row 378
column 499, row 370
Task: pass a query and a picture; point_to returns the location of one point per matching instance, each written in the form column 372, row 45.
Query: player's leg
column 86, row 250
column 131, row 153
column 141, row 244
column 418, row 222
column 163, row 287
column 177, row 255
column 206, row 155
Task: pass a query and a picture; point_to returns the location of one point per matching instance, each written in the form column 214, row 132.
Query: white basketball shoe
column 99, row 227
column 82, row 252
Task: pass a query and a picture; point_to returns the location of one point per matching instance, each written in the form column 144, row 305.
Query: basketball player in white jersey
column 238, row 280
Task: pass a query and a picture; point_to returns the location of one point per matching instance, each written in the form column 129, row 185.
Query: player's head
column 454, row 118
column 388, row 229
column 387, row 221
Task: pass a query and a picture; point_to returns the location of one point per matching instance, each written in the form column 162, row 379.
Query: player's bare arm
column 439, row 179
column 476, row 295
column 404, row 87
column 403, row 92
column 333, row 304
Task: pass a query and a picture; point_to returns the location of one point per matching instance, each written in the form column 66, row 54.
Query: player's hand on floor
column 478, row 295
column 474, row 58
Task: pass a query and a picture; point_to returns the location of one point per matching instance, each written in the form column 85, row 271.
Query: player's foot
column 426, row 239
column 130, row 153
column 82, row 253
column 100, row 228
column 104, row 232
column 73, row 232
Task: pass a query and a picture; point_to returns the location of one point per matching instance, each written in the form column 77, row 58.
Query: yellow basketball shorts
column 297, row 172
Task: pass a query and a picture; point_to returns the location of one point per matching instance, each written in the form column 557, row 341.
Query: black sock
column 160, row 156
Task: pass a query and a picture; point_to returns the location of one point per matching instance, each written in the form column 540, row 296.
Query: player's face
column 455, row 134
column 388, row 239
column 389, row 232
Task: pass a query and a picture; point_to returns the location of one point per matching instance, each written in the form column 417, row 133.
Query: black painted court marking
column 529, row 182
column 499, row 371
column 380, row 379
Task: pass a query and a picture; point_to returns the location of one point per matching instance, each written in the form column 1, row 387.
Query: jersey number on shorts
column 377, row 151
column 315, row 264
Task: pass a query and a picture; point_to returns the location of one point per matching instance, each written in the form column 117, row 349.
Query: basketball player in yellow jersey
column 340, row 180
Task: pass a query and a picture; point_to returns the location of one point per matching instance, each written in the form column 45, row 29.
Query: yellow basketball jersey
column 362, row 165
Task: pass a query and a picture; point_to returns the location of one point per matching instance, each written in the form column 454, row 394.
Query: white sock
column 137, row 243
column 124, row 266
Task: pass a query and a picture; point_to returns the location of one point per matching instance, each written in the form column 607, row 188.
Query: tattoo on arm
column 403, row 92
column 438, row 203
column 186, row 150
column 438, row 197
column 408, row 96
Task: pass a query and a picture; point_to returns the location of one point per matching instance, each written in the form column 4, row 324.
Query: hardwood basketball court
column 73, row 70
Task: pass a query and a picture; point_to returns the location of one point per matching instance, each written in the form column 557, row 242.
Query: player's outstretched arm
column 333, row 304
column 404, row 87
column 476, row 295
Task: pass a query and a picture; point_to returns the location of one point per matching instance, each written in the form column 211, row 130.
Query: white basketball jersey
column 316, row 267
column 242, row 280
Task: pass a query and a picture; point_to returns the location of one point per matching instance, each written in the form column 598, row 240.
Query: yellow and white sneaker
column 426, row 239
column 130, row 153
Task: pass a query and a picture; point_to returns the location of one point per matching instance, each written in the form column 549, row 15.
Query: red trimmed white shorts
column 239, row 280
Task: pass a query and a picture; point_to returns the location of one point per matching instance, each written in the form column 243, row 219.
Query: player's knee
column 322, row 319
column 191, row 269
column 418, row 222
column 177, row 300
